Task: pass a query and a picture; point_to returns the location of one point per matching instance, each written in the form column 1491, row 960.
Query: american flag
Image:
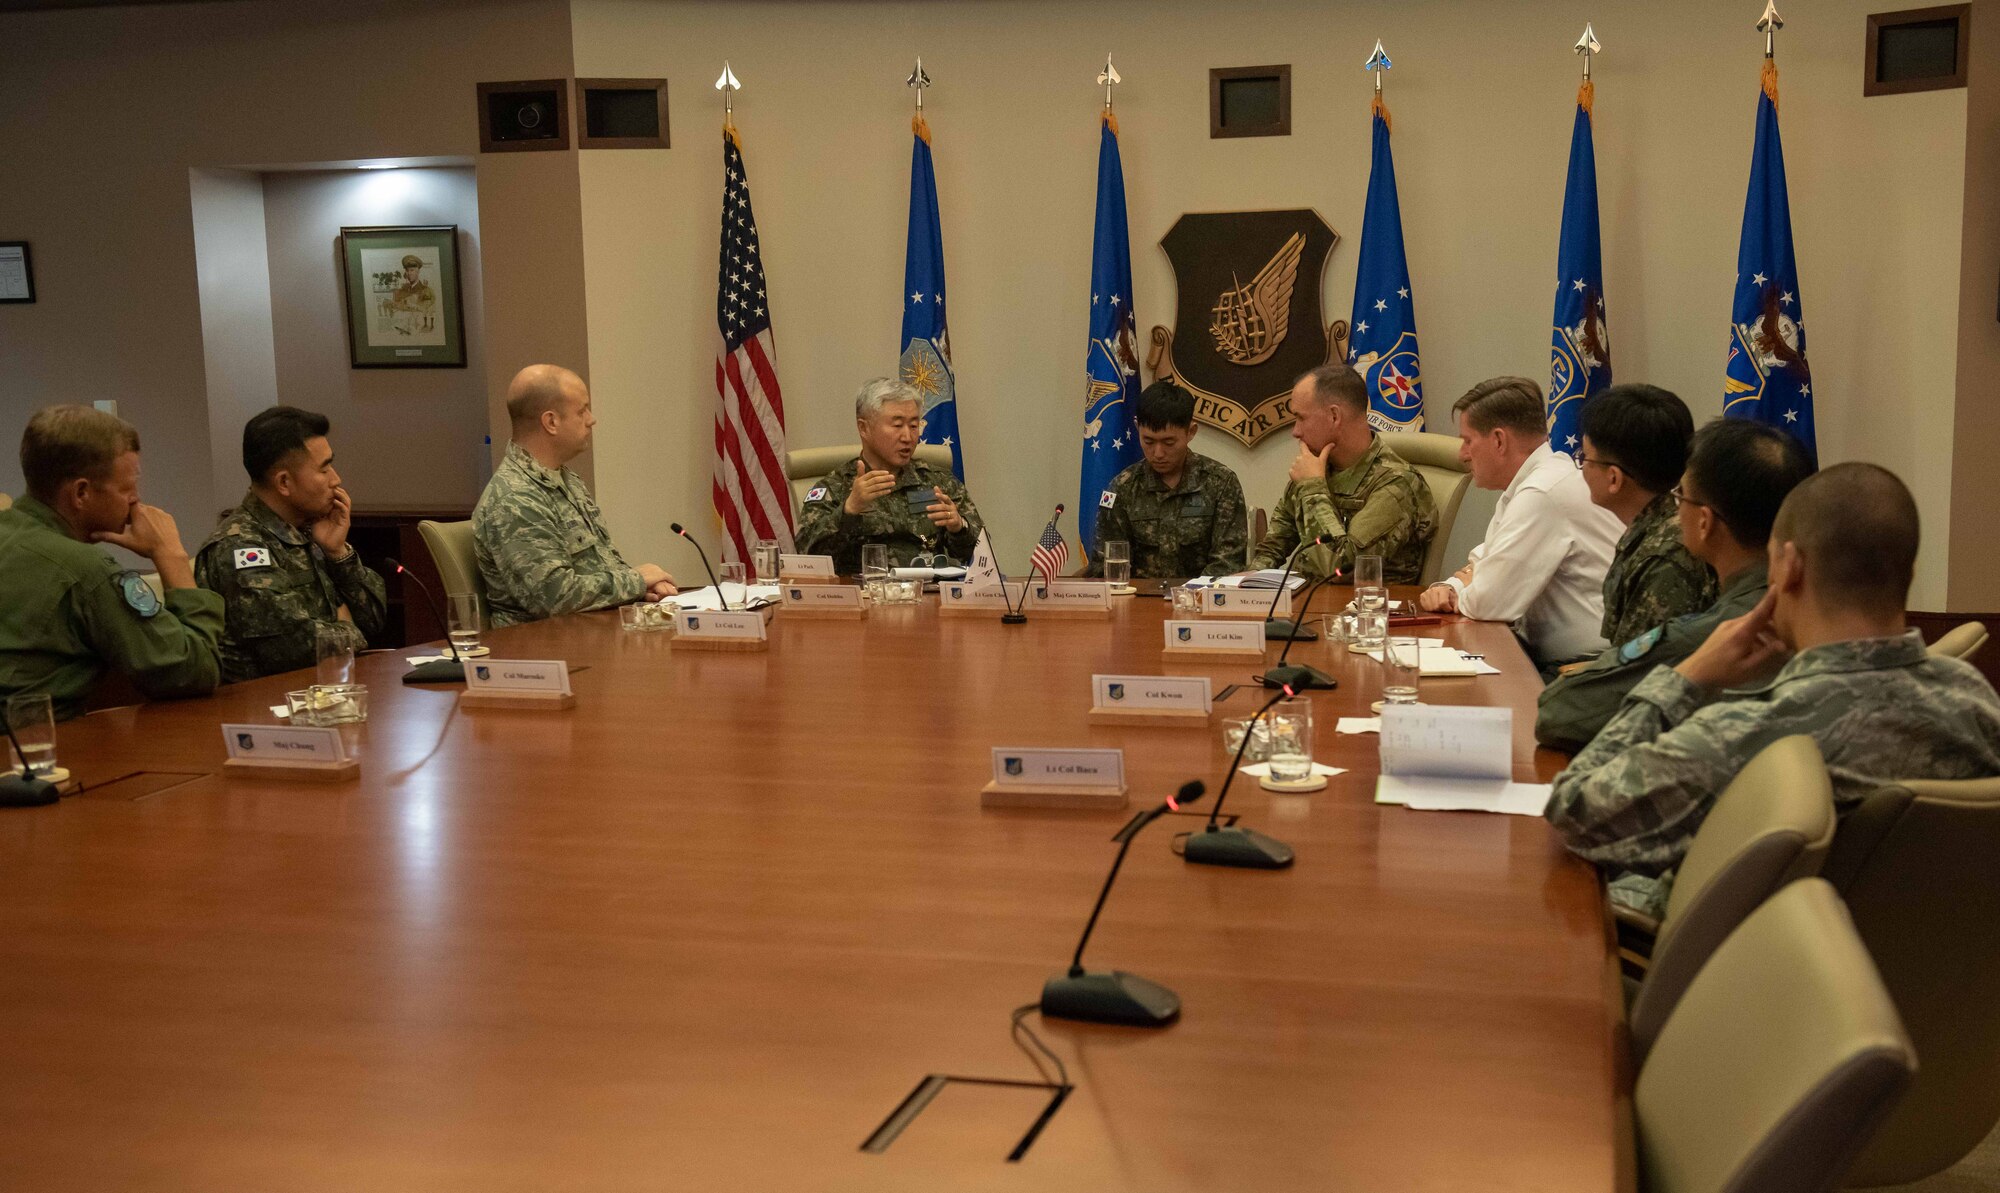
column 752, row 497
column 1052, row 552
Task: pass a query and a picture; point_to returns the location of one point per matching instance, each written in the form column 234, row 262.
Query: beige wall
column 1481, row 96
column 239, row 358
column 1975, row 442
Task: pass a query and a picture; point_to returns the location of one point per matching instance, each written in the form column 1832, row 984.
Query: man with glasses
column 1738, row 474
column 885, row 494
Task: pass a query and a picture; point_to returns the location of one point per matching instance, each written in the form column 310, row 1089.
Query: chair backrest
column 1917, row 865
column 1781, row 1060
column 456, row 557
column 1961, row 642
column 1435, row 457
column 808, row 464
column 1772, row 824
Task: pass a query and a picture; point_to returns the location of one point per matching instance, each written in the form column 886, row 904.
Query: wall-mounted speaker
column 523, row 116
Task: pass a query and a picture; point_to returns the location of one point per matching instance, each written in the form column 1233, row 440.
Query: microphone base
column 1240, row 847
column 1013, row 619
column 1298, row 677
column 436, row 671
column 1279, row 628
column 1114, row 997
column 17, row 791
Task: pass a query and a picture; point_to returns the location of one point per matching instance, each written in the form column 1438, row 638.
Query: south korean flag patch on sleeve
column 252, row 557
column 816, row 493
column 1107, row 499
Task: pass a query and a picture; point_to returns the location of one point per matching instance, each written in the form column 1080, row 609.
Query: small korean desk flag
column 926, row 346
column 1580, row 340
column 1110, row 436
column 1767, row 377
column 1383, row 326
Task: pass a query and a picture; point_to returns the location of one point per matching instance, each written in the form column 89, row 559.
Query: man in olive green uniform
column 1348, row 484
column 539, row 537
column 886, row 495
column 1635, row 446
column 1857, row 681
column 68, row 611
column 1738, row 473
column 1180, row 512
column 281, row 560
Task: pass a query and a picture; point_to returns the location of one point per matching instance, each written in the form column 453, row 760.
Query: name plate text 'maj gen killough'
column 1244, row 602
column 517, row 677
column 1092, row 595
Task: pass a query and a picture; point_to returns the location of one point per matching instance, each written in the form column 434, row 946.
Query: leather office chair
column 1782, row 1059
column 1772, row 824
column 452, row 550
column 1916, row 864
column 1435, row 457
column 1961, row 642
column 808, row 464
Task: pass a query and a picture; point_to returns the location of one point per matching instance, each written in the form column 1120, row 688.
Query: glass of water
column 731, row 575
column 1118, row 564
column 764, row 561
column 1367, row 572
column 468, row 617
column 1371, row 628
column 333, row 648
column 874, row 568
column 1291, row 724
column 1402, row 664
column 33, row 719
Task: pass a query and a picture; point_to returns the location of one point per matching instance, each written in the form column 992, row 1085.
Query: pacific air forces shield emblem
column 1249, row 318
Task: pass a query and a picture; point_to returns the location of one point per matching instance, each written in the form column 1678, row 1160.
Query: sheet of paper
column 1447, row 741
column 704, row 599
column 1358, row 725
column 1447, row 661
column 1426, row 794
column 1258, row 770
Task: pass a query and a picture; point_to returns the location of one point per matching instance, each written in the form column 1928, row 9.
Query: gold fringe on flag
column 1381, row 109
column 1586, row 94
column 1111, row 121
column 921, row 127
column 1771, row 80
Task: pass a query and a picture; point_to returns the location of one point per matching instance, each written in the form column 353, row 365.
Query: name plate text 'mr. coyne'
column 517, row 677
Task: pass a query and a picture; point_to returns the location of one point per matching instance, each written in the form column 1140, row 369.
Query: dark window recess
column 1249, row 102
column 1922, row 50
column 621, row 113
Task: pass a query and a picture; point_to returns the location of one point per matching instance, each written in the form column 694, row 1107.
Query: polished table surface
column 708, row 928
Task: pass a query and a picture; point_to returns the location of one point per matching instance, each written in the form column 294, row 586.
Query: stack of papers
column 741, row 596
column 1438, row 660
column 1446, row 758
column 1266, row 580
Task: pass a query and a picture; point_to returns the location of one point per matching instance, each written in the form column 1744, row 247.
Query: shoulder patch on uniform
column 252, row 557
column 816, row 493
column 1107, row 499
column 1640, row 647
column 138, row 593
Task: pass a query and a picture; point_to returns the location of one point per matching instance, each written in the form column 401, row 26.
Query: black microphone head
column 394, row 563
column 676, row 528
column 1190, row 791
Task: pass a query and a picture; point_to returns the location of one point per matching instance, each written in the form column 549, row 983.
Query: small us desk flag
column 1767, row 377
column 926, row 359
column 1580, row 342
column 1384, row 320
column 752, row 497
column 1110, row 435
column 1051, row 550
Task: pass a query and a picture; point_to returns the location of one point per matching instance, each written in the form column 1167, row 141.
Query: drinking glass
column 33, row 719
column 1371, row 628
column 1402, row 660
column 1118, row 564
column 1291, row 741
column 468, row 617
column 764, row 561
column 1367, row 572
column 874, row 568
column 732, row 574
column 333, row 648
column 1187, row 602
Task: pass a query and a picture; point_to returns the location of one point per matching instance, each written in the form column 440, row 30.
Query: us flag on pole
column 1052, row 552
column 752, row 497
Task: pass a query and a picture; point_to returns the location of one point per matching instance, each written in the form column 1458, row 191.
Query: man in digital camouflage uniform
column 886, row 495
column 1858, row 681
column 1181, row 513
column 539, row 537
column 1345, row 482
column 69, row 613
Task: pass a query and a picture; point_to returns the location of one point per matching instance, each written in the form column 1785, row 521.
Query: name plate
column 283, row 745
column 707, row 623
column 958, row 594
column 806, row 565
column 1134, row 693
column 517, row 678
column 1245, row 602
column 1215, row 637
column 820, row 596
column 1089, row 769
column 1075, row 594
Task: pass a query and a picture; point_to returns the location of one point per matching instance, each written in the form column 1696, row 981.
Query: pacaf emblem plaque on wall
column 1248, row 317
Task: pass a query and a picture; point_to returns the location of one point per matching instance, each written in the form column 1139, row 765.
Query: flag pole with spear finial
column 726, row 83
column 917, row 82
column 1108, row 78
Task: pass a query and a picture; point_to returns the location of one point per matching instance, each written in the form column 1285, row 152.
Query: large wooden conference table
column 708, row 928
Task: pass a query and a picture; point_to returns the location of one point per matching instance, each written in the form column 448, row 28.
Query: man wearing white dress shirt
column 1542, row 564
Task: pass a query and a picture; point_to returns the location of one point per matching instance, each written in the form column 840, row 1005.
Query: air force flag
column 1767, row 377
column 1580, row 342
column 1110, row 436
column 1384, row 321
column 926, row 344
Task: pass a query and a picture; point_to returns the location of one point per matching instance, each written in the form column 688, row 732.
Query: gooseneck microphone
column 451, row 670
column 1233, row 846
column 1300, row 676
column 26, row 791
column 1116, row 996
column 719, row 594
column 1278, row 627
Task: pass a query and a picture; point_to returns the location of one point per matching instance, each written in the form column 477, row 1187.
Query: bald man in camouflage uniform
column 886, row 495
column 1181, row 513
column 1348, row 484
column 1880, row 708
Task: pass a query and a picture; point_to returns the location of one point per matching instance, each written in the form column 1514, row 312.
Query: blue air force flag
column 1111, row 381
column 926, row 344
column 1383, row 328
column 1580, row 341
column 1767, row 377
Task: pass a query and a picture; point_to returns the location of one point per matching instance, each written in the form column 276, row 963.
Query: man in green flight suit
column 1181, row 512
column 68, row 611
column 887, row 495
column 1348, row 484
column 281, row 559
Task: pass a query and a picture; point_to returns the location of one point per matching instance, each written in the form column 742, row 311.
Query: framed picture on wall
column 404, row 307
